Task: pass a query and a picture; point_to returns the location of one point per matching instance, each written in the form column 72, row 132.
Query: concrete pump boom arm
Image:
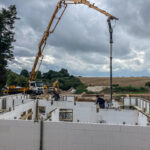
column 61, row 4
column 42, row 43
column 85, row 2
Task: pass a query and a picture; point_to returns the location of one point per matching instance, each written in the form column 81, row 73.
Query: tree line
column 66, row 81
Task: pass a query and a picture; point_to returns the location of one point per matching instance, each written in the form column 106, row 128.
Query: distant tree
column 50, row 74
column 64, row 72
column 12, row 79
column 22, row 81
column 147, row 84
column 7, row 20
column 54, row 74
column 16, row 80
column 24, row 73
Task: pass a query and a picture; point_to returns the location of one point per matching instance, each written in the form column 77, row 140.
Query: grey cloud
column 23, row 52
column 134, row 16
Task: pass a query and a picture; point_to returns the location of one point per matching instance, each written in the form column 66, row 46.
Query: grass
column 123, row 93
column 122, row 81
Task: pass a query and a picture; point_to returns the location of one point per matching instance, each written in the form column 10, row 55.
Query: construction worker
column 56, row 95
column 100, row 101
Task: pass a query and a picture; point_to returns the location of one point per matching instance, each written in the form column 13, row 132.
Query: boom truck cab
column 36, row 87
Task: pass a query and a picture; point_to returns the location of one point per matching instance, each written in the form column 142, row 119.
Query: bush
column 91, row 92
column 80, row 89
column 115, row 85
column 147, row 84
column 16, row 80
column 70, row 82
column 119, row 89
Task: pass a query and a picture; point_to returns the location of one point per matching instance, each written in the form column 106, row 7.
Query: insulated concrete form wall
column 19, row 135
column 16, row 113
column 73, row 136
column 143, row 104
column 86, row 112
column 25, row 135
column 14, row 100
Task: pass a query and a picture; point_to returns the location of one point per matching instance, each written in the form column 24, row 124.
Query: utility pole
column 111, row 43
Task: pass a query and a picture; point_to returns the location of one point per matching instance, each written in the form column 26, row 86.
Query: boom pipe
column 34, row 78
column 46, row 34
column 59, row 19
column 38, row 68
column 91, row 6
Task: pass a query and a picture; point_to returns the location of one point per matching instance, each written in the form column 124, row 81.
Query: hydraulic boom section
column 61, row 5
column 85, row 2
column 42, row 43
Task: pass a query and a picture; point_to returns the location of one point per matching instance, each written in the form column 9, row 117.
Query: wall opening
column 66, row 115
column 4, row 104
column 30, row 114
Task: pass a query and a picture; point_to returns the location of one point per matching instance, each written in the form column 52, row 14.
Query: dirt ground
column 122, row 81
column 96, row 88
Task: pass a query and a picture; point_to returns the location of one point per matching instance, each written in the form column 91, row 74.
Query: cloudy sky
column 81, row 41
